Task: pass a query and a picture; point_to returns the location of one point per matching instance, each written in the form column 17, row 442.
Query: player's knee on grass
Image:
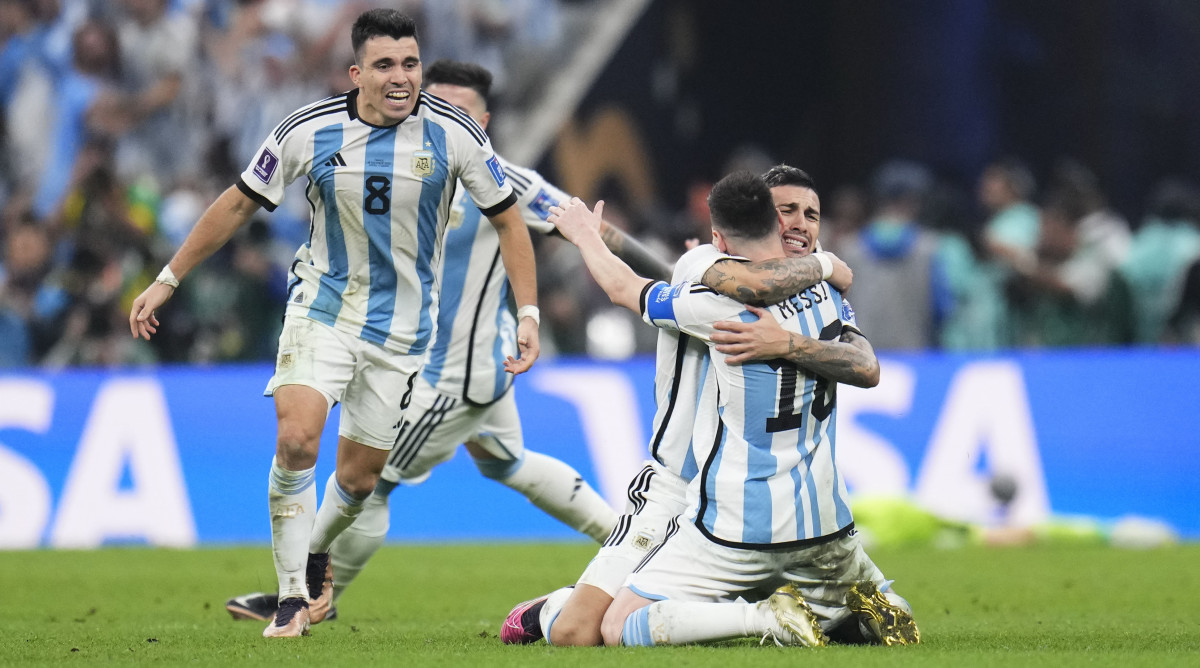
column 613, row 625
column 570, row 632
column 625, row 604
column 578, row 624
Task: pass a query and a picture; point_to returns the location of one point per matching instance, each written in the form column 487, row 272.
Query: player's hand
column 574, row 221
column 689, row 244
column 142, row 321
column 528, row 347
column 744, row 342
column 842, row 276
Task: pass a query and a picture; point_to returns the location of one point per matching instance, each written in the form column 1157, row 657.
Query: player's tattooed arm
column 772, row 281
column 850, row 359
column 639, row 258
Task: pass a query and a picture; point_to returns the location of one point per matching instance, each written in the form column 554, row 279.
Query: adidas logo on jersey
column 336, row 161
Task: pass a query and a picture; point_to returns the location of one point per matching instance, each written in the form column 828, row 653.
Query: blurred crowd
column 122, row 119
column 1017, row 263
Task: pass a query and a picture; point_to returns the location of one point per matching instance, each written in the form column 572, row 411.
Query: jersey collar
column 352, row 110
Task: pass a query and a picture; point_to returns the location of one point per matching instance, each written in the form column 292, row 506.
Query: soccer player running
column 462, row 394
column 573, row 615
column 382, row 162
column 767, row 509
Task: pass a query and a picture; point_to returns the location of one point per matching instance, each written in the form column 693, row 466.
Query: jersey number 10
column 824, row 397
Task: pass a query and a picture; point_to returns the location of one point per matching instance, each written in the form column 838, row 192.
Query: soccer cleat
column 291, row 621
column 799, row 624
column 261, row 607
column 883, row 617
column 517, row 629
column 320, row 586
column 257, row 606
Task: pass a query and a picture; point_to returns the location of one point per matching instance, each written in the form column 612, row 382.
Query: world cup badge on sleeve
column 264, row 167
column 422, row 163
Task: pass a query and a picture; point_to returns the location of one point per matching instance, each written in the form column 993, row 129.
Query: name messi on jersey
column 805, row 300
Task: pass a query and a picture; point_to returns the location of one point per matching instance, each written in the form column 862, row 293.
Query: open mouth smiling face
column 388, row 79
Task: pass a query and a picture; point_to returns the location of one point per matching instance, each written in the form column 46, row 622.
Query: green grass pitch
column 442, row 606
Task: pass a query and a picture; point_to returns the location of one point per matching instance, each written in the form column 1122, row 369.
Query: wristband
column 826, row 265
column 167, row 277
column 530, row 311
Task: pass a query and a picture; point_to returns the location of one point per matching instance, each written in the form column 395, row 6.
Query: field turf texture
column 442, row 606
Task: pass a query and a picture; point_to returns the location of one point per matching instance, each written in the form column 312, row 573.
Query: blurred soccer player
column 572, row 616
column 462, row 395
column 768, row 509
column 383, row 161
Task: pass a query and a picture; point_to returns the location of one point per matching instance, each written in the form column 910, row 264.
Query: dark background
column 839, row 87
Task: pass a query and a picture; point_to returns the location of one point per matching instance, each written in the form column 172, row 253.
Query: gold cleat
column 291, row 621
column 794, row 615
column 891, row 623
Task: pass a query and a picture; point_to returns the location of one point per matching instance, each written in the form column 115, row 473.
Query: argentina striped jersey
column 682, row 380
column 476, row 330
column 380, row 199
column 769, row 478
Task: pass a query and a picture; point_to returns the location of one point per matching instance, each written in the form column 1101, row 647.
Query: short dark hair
column 380, row 22
column 741, row 206
column 458, row 73
column 786, row 175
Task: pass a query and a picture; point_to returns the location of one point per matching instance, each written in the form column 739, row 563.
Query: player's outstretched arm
column 850, row 360
column 772, row 281
column 639, row 258
column 216, row 225
column 516, row 250
column 582, row 228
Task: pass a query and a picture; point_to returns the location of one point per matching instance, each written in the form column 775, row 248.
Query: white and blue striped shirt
column 682, row 380
column 476, row 330
column 380, row 200
column 769, row 478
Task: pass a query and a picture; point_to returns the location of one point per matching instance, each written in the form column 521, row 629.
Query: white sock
column 560, row 491
column 292, row 500
column 338, row 510
column 355, row 546
column 550, row 609
column 684, row 622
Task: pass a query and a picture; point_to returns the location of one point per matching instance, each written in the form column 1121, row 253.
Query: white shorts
column 369, row 380
column 435, row 424
column 690, row 567
column 655, row 497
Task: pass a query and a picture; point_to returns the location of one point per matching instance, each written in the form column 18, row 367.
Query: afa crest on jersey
column 422, row 163
column 643, row 541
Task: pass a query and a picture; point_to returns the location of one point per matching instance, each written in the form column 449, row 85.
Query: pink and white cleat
column 522, row 627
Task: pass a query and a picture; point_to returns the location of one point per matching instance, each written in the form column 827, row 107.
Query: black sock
column 529, row 619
